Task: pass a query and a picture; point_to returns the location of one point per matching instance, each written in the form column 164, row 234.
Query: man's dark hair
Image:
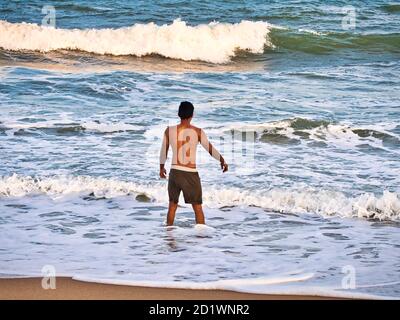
column 185, row 110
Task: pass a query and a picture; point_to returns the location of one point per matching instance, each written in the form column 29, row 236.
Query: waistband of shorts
column 182, row 168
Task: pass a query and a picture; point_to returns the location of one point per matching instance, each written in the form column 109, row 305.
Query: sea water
column 303, row 105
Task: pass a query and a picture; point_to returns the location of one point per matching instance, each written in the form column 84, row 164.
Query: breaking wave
column 214, row 42
column 308, row 200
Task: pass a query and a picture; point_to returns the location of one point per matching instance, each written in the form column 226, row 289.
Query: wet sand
column 67, row 288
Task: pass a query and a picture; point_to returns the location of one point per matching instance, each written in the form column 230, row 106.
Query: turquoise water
column 315, row 189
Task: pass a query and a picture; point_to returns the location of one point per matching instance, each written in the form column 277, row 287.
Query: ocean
column 302, row 98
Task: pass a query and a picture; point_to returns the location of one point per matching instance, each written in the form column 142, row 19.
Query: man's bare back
column 183, row 140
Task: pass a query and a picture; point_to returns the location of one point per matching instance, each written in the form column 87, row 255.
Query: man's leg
column 171, row 213
column 198, row 211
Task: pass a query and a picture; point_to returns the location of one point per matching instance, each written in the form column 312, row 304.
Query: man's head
column 185, row 110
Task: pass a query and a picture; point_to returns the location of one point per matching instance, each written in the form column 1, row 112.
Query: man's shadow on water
column 171, row 239
column 172, row 231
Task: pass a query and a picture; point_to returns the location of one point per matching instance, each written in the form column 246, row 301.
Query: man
column 184, row 139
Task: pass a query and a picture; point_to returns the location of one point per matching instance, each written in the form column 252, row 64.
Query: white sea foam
column 214, row 42
column 273, row 285
column 109, row 127
column 106, row 127
column 313, row 32
column 19, row 186
column 231, row 284
column 338, row 133
column 308, row 200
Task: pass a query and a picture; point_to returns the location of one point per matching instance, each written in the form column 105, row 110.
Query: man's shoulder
column 196, row 128
column 167, row 129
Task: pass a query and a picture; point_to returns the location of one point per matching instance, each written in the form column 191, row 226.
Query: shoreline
column 70, row 289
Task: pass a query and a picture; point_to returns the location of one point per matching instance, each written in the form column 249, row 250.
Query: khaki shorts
column 187, row 182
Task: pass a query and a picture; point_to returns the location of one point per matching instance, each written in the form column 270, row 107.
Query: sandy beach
column 67, row 288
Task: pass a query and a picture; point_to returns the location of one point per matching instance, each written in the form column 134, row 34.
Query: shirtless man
column 184, row 139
